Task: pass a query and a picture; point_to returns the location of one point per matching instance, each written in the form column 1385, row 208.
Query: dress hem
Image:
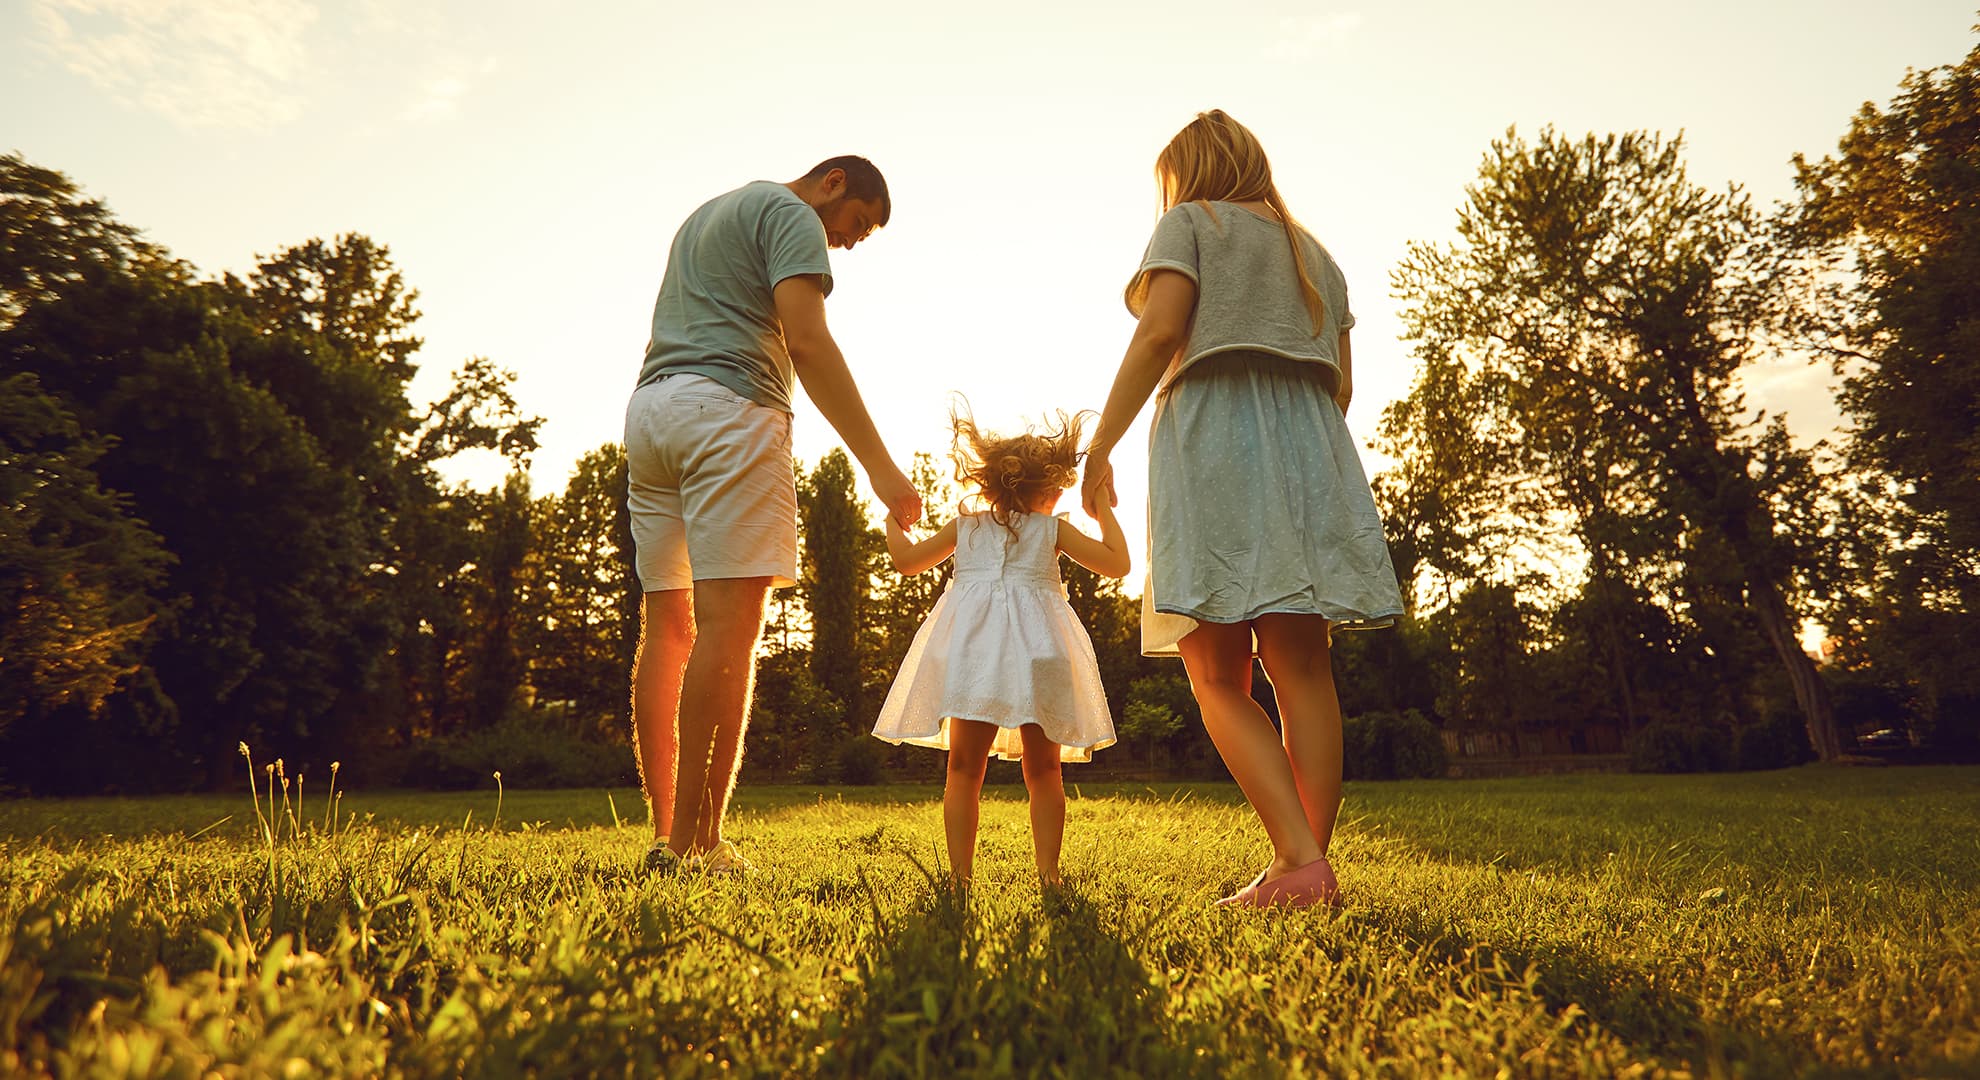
column 939, row 739
column 1354, row 621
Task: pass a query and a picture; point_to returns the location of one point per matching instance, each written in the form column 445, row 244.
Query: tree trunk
column 1810, row 692
column 1745, row 520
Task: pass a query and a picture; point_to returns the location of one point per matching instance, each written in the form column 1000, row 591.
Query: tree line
column 227, row 522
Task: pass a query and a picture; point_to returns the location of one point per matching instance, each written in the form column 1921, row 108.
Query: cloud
column 438, row 97
column 199, row 63
column 1301, row 36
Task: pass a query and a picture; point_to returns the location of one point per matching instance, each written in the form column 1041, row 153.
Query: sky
column 527, row 164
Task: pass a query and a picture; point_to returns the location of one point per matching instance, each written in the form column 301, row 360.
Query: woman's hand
column 1097, row 482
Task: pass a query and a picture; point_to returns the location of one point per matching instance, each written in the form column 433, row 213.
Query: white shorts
column 709, row 485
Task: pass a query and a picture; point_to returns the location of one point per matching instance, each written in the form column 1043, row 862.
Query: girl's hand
column 1097, row 482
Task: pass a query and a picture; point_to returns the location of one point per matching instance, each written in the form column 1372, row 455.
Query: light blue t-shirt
column 717, row 314
column 1247, row 294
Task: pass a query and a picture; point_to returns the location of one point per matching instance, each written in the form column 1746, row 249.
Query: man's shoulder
column 756, row 198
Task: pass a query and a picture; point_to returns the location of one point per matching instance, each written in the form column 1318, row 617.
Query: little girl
column 1002, row 665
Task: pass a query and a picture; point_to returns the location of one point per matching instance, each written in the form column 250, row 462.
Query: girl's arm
column 1107, row 556
column 911, row 557
column 1161, row 333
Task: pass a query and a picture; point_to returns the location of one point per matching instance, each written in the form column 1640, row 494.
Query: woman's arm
column 1107, row 556
column 1346, row 393
column 1162, row 331
column 911, row 557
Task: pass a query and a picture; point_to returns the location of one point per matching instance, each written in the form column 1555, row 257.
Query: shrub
column 529, row 755
column 1392, row 746
column 1777, row 742
column 1673, row 748
column 858, row 761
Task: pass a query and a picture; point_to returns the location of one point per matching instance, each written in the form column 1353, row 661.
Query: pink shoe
column 1243, row 896
column 1311, row 884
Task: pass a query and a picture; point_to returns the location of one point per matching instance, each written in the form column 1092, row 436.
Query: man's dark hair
column 863, row 181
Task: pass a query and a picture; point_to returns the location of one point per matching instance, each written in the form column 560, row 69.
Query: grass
column 1814, row 922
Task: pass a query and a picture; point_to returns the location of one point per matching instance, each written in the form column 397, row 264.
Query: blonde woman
column 1263, row 535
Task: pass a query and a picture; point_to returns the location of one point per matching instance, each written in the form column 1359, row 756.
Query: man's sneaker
column 660, row 859
column 720, row 859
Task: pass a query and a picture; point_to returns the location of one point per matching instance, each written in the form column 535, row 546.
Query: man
column 739, row 318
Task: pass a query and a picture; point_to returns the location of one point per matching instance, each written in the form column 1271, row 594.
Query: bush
column 1777, row 742
column 858, row 761
column 528, row 754
column 1671, row 748
column 1392, row 746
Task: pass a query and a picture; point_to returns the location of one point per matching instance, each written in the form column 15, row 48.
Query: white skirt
column 1003, row 653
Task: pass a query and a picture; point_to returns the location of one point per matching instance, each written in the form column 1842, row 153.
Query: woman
column 1263, row 533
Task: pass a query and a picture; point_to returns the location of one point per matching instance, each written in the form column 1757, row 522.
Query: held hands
column 897, row 494
column 1096, row 483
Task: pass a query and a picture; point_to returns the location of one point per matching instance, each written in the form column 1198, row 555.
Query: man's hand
column 897, row 494
column 1096, row 483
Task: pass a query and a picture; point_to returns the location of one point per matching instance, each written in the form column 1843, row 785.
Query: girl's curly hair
column 1010, row 473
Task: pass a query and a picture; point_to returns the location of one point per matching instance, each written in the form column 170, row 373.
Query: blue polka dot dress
column 1258, row 504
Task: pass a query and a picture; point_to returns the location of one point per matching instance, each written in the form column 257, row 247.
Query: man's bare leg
column 666, row 635
column 721, row 667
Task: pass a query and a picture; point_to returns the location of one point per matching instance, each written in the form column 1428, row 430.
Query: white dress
column 1002, row 646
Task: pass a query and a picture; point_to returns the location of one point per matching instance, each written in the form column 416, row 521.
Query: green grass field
column 1815, row 922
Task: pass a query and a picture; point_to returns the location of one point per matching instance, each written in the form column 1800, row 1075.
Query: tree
column 837, row 577
column 268, row 536
column 1599, row 307
column 580, row 629
column 52, row 239
column 259, row 430
column 1886, row 233
column 75, row 567
column 495, row 673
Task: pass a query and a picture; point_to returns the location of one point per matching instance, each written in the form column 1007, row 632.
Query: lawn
column 1813, row 922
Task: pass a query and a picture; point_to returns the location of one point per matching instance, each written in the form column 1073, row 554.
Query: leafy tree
column 1595, row 312
column 840, row 552
column 580, row 628
column 75, row 567
column 1144, row 723
column 902, row 602
column 1113, row 622
column 793, row 722
column 502, row 529
column 259, row 429
column 52, row 239
column 1887, row 232
column 267, row 535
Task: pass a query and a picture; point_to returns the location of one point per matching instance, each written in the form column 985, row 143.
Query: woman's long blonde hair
column 1008, row 473
column 1216, row 158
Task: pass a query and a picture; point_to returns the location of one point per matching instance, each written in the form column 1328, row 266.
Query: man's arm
column 821, row 367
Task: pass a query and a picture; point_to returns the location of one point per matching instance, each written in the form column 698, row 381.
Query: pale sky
column 527, row 164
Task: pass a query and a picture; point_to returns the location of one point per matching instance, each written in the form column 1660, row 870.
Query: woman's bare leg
column 1218, row 658
column 1299, row 661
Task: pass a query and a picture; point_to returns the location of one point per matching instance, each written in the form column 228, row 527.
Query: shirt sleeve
column 1173, row 247
column 1344, row 318
column 793, row 241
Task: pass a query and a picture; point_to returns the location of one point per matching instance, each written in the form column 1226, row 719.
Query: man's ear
column 832, row 187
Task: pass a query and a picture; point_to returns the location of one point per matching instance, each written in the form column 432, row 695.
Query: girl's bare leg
column 1047, row 793
column 1299, row 662
column 969, row 755
column 1218, row 658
